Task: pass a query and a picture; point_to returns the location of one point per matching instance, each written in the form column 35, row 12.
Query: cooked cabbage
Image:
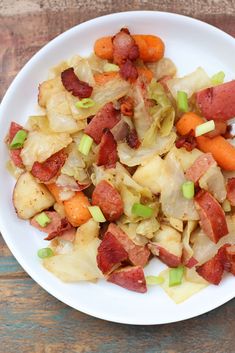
column 183, row 291
column 190, row 83
column 147, row 227
column 185, row 158
column 132, row 157
column 214, row 182
column 163, row 67
column 82, row 69
column 80, row 264
column 47, row 89
column 39, row 146
column 129, row 197
column 172, row 200
column 130, row 230
column 96, row 63
column 38, row 122
column 187, row 249
column 60, row 116
column 176, row 223
column 142, row 119
column 75, row 166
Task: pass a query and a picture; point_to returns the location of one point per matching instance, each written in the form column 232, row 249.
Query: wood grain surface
column 30, row 319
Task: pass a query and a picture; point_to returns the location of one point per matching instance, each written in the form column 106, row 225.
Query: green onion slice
column 226, row 206
column 42, row 219
column 154, row 280
column 18, row 140
column 85, row 144
column 188, row 189
column 97, row 214
column 141, row 210
column 45, row 252
column 85, row 103
column 204, row 128
column 176, row 276
column 218, row 78
column 182, row 101
column 108, row 67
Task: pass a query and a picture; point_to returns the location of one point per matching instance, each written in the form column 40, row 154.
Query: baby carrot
column 55, row 191
column 222, row 151
column 101, row 79
column 76, row 209
column 151, row 47
column 104, row 48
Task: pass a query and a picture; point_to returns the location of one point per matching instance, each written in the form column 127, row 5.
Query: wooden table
column 30, row 319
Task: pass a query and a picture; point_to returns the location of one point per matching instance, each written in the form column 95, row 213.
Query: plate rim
column 10, row 243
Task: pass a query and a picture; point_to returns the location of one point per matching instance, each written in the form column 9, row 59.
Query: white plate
column 190, row 43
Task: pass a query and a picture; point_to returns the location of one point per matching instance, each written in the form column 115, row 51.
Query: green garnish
column 204, row 128
column 218, row 78
column 176, row 276
column 18, row 140
column 85, row 144
column 182, row 101
column 85, row 103
column 97, row 214
column 154, row 280
column 226, row 206
column 108, row 67
column 141, row 210
column 188, row 189
column 45, row 252
column 42, row 219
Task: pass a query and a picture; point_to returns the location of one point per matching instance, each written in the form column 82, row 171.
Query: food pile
column 129, row 162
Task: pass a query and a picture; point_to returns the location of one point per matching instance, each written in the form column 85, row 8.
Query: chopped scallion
column 108, row 67
column 182, row 101
column 154, row 280
column 42, row 219
column 85, row 144
column 205, row 128
column 218, row 78
column 226, row 206
column 97, row 214
column 45, row 252
column 141, row 210
column 176, row 276
column 188, row 189
column 18, row 140
column 85, row 103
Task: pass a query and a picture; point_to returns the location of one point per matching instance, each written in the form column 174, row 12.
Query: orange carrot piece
column 148, row 74
column 55, row 191
column 222, row 151
column 76, row 209
column 101, row 79
column 104, row 48
column 151, row 47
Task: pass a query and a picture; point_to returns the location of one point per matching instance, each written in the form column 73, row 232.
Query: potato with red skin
column 110, row 253
column 106, row 118
column 167, row 246
column 230, row 252
column 131, row 278
column 212, row 270
column 108, row 199
column 217, row 102
column 212, row 217
column 231, row 191
column 107, row 154
column 199, row 167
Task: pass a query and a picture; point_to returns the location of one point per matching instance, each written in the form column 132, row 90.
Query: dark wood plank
column 30, row 319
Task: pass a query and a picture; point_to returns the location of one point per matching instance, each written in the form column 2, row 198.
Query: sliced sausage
column 107, row 117
column 131, row 278
column 212, row 217
column 217, row 102
column 212, row 270
column 49, row 169
column 110, row 253
column 107, row 155
column 108, row 199
column 199, row 167
column 231, row 191
column 137, row 254
column 15, row 154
